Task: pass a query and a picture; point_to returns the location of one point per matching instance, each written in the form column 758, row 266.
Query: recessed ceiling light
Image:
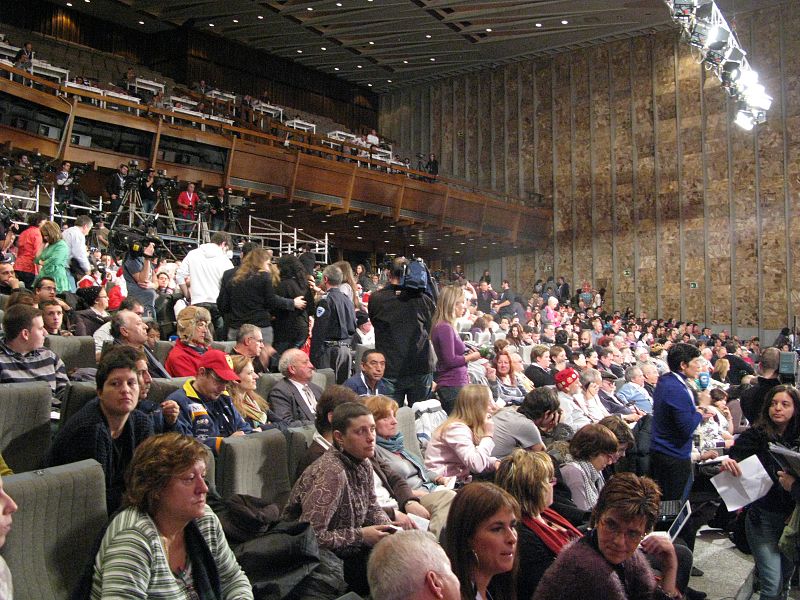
column 358, row 237
column 361, row 221
column 323, row 48
column 458, row 251
column 369, row 85
column 564, row 22
column 433, row 60
column 69, row 3
column 338, row 4
column 388, row 81
column 411, row 245
column 538, row 24
column 428, row 36
column 405, row 62
column 332, row 233
column 356, row 226
column 236, row 20
column 372, row 43
column 141, row 22
column 359, row 67
column 261, row 17
column 386, row 241
column 299, row 51
column 488, row 30
column 210, row 24
column 335, row 68
column 310, row 8
column 434, row 248
column 323, row 221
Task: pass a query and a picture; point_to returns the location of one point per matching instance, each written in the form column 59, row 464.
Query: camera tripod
column 132, row 199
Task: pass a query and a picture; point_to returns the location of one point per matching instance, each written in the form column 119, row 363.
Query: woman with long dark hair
column 291, row 324
column 778, row 422
column 481, row 541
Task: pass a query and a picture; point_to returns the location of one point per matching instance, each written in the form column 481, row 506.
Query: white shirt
column 204, row 266
column 301, row 387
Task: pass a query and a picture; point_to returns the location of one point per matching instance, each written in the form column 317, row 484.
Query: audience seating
column 3, row 301
column 324, row 378
column 77, row 395
column 161, row 388
column 525, row 353
column 77, row 352
column 298, row 439
column 739, row 422
column 162, row 350
column 256, row 465
column 62, row 511
column 408, row 427
column 360, row 349
column 266, row 381
column 226, row 346
column 25, row 424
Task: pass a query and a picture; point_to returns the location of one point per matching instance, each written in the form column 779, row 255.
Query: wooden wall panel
column 645, row 212
column 484, row 119
column 436, row 120
column 654, row 188
column 446, row 118
column 458, row 129
column 601, row 150
column 771, row 176
column 562, row 147
column 511, row 121
column 582, row 181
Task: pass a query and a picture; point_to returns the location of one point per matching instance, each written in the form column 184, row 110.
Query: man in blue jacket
column 675, row 418
column 206, row 410
column 370, row 381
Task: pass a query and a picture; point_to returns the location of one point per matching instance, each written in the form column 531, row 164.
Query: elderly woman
column 166, row 542
column 93, row 318
column 463, row 444
column 194, row 340
column 543, row 533
column 54, row 258
column 250, row 404
column 481, row 541
column 425, row 485
column 608, row 563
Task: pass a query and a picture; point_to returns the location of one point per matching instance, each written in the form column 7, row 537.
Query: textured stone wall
column 657, row 196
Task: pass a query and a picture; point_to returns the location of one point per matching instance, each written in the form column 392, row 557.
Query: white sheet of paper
column 737, row 492
column 421, row 523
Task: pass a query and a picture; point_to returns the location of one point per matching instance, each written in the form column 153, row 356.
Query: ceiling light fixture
column 433, row 60
column 339, row 4
column 369, row 85
column 310, row 8
column 538, row 24
column 488, row 30
column 372, row 43
column 210, row 24
column 405, row 62
column 428, row 36
column 260, row 17
column 335, row 68
column 299, row 51
column 564, row 22
column 236, row 20
column 69, row 4
column 323, row 48
column 359, row 67
column 141, row 22
column 388, row 81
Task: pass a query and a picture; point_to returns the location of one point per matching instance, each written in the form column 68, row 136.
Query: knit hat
column 565, row 378
column 220, row 363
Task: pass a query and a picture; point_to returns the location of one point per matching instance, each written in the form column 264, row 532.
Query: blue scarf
column 395, row 444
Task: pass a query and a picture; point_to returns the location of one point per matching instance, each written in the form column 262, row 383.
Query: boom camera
column 132, row 241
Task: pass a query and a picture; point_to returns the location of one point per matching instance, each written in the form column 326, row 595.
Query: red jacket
column 183, row 360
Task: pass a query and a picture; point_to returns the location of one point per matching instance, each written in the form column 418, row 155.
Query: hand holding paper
column 738, row 491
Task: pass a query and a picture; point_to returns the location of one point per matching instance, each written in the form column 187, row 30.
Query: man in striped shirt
column 22, row 355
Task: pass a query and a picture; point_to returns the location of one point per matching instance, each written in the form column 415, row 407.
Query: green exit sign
column 627, row 272
column 692, row 285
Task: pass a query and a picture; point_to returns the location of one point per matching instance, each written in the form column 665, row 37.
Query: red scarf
column 554, row 540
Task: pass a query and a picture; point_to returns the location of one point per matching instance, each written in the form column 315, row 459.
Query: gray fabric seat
column 77, row 352
column 360, row 349
column 408, row 427
column 61, row 513
column 25, row 424
column 256, row 465
column 162, row 350
column 77, row 395
column 298, row 440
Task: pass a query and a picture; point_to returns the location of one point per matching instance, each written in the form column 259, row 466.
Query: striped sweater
column 38, row 365
column 131, row 562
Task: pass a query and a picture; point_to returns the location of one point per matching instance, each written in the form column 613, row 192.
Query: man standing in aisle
column 334, row 327
column 402, row 321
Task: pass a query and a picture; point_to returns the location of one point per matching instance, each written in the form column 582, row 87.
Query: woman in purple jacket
column 452, row 359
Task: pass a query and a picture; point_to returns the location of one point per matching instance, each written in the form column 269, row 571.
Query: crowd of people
column 535, row 472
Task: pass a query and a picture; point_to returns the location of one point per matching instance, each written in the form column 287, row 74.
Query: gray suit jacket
column 288, row 404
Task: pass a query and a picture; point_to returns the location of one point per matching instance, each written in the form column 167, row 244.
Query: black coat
column 291, row 325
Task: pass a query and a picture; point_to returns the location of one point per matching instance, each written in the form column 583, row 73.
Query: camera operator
column 137, row 271
column 216, row 211
column 149, row 192
column 22, row 181
column 68, row 196
column 187, row 203
column 115, row 187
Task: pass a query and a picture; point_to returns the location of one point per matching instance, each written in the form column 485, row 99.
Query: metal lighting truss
column 705, row 28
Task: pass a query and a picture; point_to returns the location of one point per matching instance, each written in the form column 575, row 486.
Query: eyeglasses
column 632, row 536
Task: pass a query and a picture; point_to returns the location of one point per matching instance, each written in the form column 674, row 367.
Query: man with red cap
column 574, row 411
column 206, row 410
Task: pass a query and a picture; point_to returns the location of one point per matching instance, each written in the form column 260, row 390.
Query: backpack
column 415, row 275
column 640, row 453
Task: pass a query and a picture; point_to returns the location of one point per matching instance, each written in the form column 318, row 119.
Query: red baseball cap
column 220, row 363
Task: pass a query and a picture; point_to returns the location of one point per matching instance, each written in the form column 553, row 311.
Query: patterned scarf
column 593, row 481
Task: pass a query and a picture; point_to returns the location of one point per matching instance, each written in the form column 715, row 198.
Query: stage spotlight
column 716, row 44
column 730, row 73
column 744, row 119
column 683, row 9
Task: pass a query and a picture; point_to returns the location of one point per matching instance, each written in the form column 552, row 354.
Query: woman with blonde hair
column 194, row 339
column 451, row 354
column 463, row 444
column 249, row 296
column 721, row 369
column 54, row 258
column 348, row 285
column 543, row 533
column 250, row 404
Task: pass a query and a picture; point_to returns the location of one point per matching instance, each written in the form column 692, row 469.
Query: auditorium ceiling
column 385, row 44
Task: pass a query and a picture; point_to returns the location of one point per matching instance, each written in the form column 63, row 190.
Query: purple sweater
column 451, row 366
